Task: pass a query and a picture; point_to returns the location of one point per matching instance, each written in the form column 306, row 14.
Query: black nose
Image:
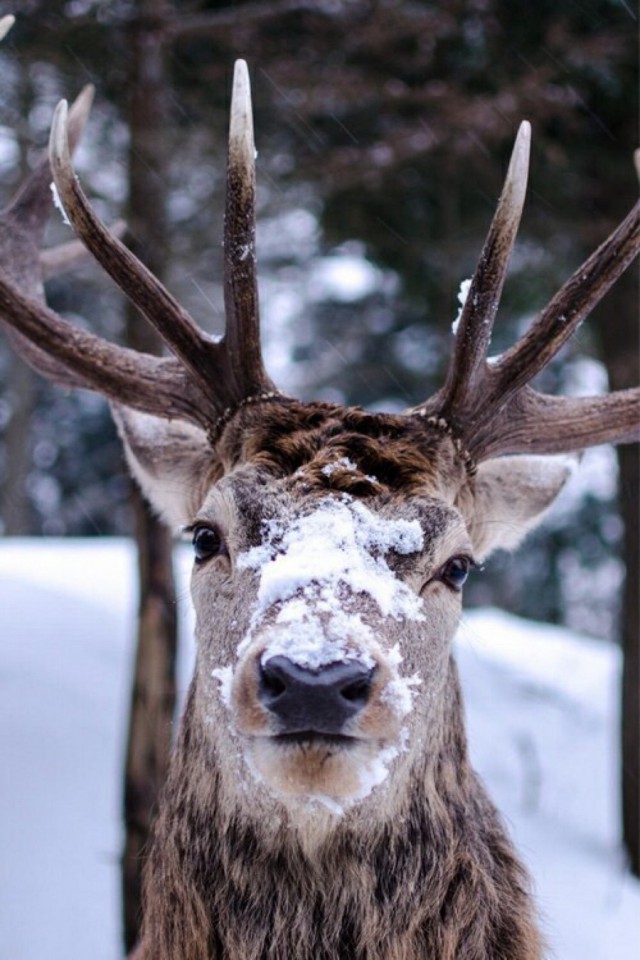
column 317, row 701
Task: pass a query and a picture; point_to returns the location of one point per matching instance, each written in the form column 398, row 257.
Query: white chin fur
column 333, row 776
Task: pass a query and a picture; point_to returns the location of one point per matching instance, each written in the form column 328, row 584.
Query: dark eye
column 207, row 543
column 455, row 572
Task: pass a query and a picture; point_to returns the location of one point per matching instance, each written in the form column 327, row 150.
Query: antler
column 487, row 404
column 204, row 379
column 6, row 23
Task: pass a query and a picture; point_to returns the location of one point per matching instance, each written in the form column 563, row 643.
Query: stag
column 321, row 803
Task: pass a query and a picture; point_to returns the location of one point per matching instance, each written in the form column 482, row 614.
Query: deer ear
column 172, row 460
column 512, row 494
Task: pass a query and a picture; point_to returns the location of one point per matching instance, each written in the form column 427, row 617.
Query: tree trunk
column 620, row 350
column 14, row 502
column 152, row 704
column 629, row 460
column 153, row 690
column 20, row 389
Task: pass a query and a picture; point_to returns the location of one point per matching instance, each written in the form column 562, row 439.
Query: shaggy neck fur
column 439, row 880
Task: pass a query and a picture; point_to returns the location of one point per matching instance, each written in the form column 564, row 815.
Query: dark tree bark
column 153, row 689
column 20, row 389
column 620, row 350
column 629, row 460
column 14, row 502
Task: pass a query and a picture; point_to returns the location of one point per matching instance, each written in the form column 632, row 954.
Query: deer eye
column 455, row 572
column 207, row 543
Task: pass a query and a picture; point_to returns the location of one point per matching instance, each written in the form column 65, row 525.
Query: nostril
column 357, row 692
column 271, row 683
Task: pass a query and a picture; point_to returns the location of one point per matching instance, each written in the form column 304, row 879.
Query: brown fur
column 294, row 439
column 423, row 871
column 440, row 880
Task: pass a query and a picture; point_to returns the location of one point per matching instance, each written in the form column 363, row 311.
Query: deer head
column 331, row 544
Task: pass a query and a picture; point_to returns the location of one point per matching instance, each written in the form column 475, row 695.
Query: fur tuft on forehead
column 323, row 446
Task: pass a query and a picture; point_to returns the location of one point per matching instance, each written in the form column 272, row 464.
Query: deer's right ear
column 172, row 461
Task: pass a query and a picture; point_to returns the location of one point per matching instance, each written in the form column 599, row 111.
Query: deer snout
column 321, row 700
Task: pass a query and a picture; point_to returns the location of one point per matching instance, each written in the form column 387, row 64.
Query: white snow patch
column 225, row 676
column 399, row 694
column 312, row 642
column 373, row 773
column 344, row 463
column 57, row 202
column 394, row 657
column 294, row 611
column 310, row 566
column 463, row 293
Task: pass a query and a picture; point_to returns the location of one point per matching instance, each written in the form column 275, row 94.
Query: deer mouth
column 315, row 738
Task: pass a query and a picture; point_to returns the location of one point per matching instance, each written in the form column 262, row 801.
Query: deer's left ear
column 172, row 460
column 512, row 494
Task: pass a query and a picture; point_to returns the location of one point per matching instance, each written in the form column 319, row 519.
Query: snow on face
column 344, row 463
column 306, row 568
column 310, row 570
column 225, row 676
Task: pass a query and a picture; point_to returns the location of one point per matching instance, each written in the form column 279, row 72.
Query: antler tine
column 176, row 327
column 242, row 336
column 22, row 225
column 79, row 115
column 52, row 346
column 539, row 423
column 475, row 326
column 79, row 358
column 508, row 416
column 31, row 205
column 6, row 23
column 228, row 372
column 55, row 348
column 568, row 308
column 206, row 381
column 489, row 407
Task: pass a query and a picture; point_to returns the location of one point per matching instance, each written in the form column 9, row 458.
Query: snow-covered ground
column 541, row 706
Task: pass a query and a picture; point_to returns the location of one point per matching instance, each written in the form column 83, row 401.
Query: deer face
column 339, row 611
column 327, row 585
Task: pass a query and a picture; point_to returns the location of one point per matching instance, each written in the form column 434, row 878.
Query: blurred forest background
column 383, row 130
